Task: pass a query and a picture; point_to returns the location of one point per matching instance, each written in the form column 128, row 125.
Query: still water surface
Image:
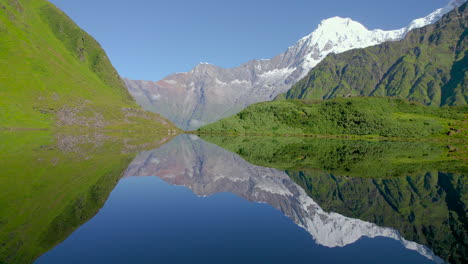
column 147, row 220
column 241, row 200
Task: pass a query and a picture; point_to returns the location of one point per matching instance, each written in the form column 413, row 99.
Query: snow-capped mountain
column 207, row 169
column 208, row 93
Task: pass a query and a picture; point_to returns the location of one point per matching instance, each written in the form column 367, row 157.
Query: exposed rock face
column 208, row 93
column 207, row 169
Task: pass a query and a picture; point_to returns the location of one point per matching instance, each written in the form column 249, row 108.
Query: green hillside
column 428, row 66
column 384, row 117
column 53, row 74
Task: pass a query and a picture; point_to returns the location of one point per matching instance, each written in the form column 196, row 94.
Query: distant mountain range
column 208, row 93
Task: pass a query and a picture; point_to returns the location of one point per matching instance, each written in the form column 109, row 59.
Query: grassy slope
column 52, row 73
column 428, row 66
column 50, row 185
column 345, row 116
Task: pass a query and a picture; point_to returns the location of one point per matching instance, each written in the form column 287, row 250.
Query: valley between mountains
column 350, row 141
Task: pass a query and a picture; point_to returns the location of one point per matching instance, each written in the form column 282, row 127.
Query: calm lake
column 187, row 199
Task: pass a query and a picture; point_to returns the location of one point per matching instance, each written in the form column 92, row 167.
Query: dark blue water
column 147, row 220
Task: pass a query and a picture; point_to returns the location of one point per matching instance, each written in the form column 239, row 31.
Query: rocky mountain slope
column 428, row 66
column 53, row 74
column 207, row 169
column 208, row 93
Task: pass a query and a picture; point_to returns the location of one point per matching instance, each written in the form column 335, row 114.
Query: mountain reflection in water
column 413, row 210
column 207, row 169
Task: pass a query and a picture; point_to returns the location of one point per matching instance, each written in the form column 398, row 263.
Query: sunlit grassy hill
column 53, row 74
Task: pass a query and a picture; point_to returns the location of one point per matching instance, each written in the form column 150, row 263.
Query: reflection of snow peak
column 207, row 169
column 332, row 229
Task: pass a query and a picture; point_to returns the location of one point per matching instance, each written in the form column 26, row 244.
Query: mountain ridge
column 198, row 97
column 426, row 66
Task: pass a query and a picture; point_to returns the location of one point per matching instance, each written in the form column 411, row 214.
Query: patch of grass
column 363, row 116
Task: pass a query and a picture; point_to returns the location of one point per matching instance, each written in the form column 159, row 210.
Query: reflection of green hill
column 52, row 185
column 426, row 202
column 343, row 157
column 428, row 208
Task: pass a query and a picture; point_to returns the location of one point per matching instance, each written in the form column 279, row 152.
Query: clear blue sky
column 149, row 39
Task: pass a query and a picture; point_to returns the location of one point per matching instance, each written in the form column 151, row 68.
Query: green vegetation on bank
column 55, row 75
column 52, row 184
column 355, row 158
column 428, row 66
column 372, row 116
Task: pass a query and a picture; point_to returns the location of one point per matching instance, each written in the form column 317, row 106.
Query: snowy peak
column 339, row 24
column 337, row 35
column 331, row 29
column 337, row 30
